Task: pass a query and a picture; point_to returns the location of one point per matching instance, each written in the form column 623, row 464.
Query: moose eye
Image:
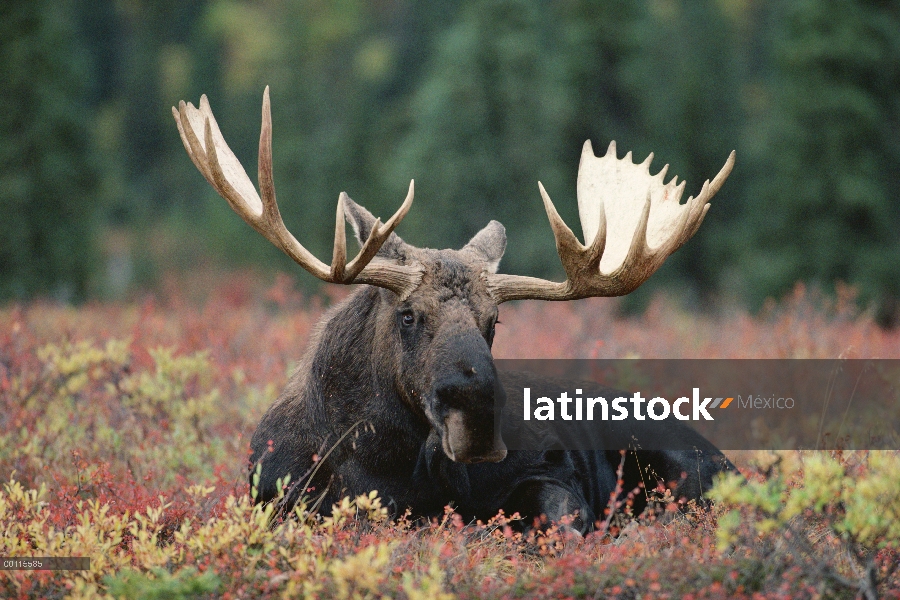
column 407, row 319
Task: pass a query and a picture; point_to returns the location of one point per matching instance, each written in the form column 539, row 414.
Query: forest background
column 475, row 100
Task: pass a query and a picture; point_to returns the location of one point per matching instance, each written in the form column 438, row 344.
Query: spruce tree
column 486, row 123
column 47, row 180
column 826, row 200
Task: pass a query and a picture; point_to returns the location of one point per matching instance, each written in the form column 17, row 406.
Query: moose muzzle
column 469, row 398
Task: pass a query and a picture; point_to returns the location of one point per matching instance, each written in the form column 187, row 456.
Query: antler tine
column 221, row 168
column 271, row 222
column 567, row 245
column 721, row 176
column 379, row 234
column 639, row 251
column 339, row 254
column 189, row 139
column 268, row 222
column 608, row 190
column 709, row 189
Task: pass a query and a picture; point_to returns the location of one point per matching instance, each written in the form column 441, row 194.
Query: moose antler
column 631, row 222
column 215, row 160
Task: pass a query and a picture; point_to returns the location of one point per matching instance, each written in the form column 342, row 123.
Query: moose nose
column 466, row 390
column 469, row 397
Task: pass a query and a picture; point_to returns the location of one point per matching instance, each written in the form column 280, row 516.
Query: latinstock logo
column 735, row 404
column 620, row 408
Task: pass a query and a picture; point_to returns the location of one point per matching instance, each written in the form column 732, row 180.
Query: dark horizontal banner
column 688, row 404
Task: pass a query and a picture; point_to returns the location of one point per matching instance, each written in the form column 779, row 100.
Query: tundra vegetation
column 120, row 424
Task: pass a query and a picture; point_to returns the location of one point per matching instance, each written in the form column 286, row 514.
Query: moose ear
column 362, row 222
column 488, row 245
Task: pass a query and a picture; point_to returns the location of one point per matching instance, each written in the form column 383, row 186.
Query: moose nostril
column 467, row 369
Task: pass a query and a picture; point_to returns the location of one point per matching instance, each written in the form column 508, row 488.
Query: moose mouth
column 467, row 440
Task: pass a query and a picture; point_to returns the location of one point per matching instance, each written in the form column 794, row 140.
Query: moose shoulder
column 397, row 389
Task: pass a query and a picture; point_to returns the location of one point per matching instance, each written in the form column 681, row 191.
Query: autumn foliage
column 124, row 436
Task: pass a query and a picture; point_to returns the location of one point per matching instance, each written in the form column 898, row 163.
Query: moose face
column 441, row 335
column 446, row 370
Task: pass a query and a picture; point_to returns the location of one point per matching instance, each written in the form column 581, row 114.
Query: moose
column 397, row 389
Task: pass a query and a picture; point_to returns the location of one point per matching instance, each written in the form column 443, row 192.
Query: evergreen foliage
column 485, row 124
column 476, row 100
column 825, row 192
column 48, row 182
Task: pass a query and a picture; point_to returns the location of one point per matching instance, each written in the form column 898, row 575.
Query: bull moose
column 397, row 389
